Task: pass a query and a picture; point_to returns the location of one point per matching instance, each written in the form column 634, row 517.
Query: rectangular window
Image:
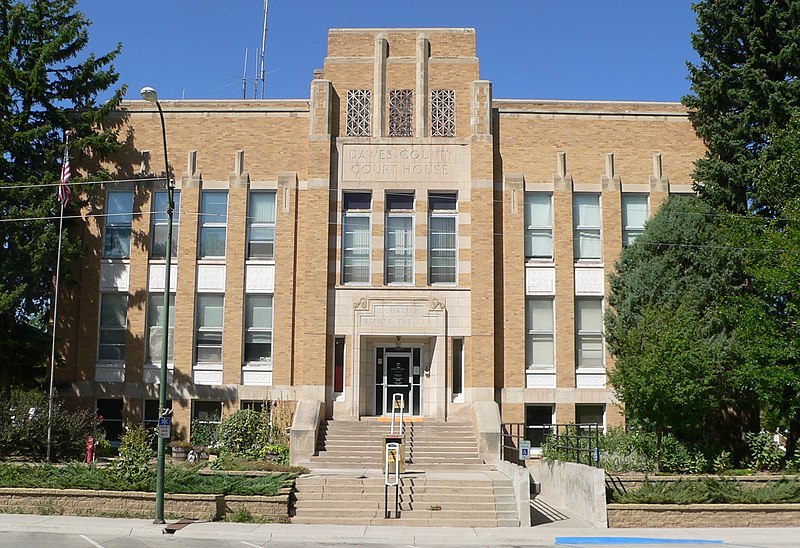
column 634, row 214
column 261, row 226
column 458, row 367
column 589, row 330
column 213, row 224
column 443, row 113
column 160, row 220
column 208, row 340
column 359, row 112
column 155, row 327
column 119, row 209
column 254, row 405
column 590, row 413
column 538, row 425
column 356, row 237
column 538, row 226
column 586, row 217
column 113, row 325
column 401, row 113
column 109, row 415
column 258, row 329
column 399, row 245
column 207, row 412
column 539, row 329
column 442, row 238
column 338, row 365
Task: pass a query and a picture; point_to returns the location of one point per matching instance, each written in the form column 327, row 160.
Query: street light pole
column 149, row 94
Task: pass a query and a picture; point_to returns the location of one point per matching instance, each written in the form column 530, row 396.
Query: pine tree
column 48, row 86
column 746, row 83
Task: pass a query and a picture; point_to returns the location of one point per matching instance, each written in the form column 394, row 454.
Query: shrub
column 711, row 490
column 764, row 453
column 24, row 416
column 135, row 451
column 245, row 433
column 204, row 434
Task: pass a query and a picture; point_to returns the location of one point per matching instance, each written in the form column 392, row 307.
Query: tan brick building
column 400, row 231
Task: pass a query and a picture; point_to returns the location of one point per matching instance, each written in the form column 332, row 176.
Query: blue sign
column 165, row 427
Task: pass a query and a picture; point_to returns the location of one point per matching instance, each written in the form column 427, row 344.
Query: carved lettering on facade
column 383, row 163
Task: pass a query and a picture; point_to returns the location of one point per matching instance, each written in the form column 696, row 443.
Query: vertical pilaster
column 137, row 287
column 185, row 292
column 285, row 302
column 659, row 184
column 480, row 370
column 238, row 181
column 510, row 293
column 563, row 257
column 379, row 86
column 611, row 230
column 422, row 122
column 313, row 257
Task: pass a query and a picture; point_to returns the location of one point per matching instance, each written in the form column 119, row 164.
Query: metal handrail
column 399, row 402
column 581, row 442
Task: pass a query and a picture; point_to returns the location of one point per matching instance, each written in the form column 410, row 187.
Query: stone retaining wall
column 630, row 482
column 135, row 504
column 704, row 515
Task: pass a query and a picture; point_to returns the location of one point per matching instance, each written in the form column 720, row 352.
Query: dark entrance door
column 397, row 371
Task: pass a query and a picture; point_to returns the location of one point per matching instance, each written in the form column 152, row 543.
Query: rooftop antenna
column 263, row 46
column 244, row 76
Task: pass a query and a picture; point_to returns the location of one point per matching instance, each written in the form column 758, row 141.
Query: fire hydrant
column 91, row 443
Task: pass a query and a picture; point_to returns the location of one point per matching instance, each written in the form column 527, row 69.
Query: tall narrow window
column 586, row 216
column 356, row 236
column 338, row 364
column 119, row 209
column 261, row 226
column 110, row 409
column 634, row 214
column 399, row 237
column 401, row 113
column 113, row 324
column 539, row 340
column 458, row 367
column 155, row 327
column 160, row 219
column 213, row 224
column 442, row 238
column 443, row 113
column 589, row 331
column 258, row 329
column 359, row 112
column 538, row 226
column 208, row 339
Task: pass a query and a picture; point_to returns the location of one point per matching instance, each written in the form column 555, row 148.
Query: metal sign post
column 391, row 466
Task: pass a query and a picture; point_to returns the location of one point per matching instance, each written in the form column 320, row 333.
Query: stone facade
column 703, row 515
column 399, row 261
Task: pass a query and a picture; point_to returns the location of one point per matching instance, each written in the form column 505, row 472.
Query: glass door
column 397, row 371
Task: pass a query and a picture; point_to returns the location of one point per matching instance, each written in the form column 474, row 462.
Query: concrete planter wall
column 704, row 515
column 135, row 504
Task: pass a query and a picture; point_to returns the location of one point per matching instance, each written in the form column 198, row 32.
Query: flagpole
column 53, row 347
column 64, row 195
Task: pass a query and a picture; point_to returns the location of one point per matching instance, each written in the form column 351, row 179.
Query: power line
column 74, row 183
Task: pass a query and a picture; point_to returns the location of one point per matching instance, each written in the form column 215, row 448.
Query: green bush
column 135, row 452
column 204, row 434
column 178, row 479
column 245, row 433
column 710, row 490
column 24, row 416
column 764, row 453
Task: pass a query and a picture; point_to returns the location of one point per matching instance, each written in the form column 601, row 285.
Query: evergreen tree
column 47, row 87
column 746, row 82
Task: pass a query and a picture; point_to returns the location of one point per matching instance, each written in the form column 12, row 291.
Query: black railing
column 568, row 442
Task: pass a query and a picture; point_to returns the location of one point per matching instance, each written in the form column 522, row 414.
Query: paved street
column 21, row 530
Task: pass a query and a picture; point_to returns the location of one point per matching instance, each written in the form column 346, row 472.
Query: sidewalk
column 377, row 535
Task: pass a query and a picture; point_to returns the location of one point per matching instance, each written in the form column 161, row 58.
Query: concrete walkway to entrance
column 100, row 530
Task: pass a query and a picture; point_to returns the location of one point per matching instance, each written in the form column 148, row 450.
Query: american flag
column 64, row 190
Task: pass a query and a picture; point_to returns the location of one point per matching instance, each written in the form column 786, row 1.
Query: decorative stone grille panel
column 443, row 113
column 401, row 113
column 359, row 112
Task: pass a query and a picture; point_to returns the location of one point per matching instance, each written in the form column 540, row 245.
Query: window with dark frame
column 118, row 220
column 261, row 226
column 442, row 240
column 399, row 234
column 160, row 225
column 356, row 237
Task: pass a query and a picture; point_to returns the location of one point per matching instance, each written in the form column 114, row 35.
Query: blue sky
column 529, row 49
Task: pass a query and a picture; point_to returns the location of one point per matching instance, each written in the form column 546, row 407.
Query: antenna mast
column 263, row 46
column 244, row 76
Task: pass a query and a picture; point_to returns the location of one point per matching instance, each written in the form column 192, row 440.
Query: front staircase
column 446, row 483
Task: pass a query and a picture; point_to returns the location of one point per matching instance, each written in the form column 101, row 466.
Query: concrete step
column 404, row 521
